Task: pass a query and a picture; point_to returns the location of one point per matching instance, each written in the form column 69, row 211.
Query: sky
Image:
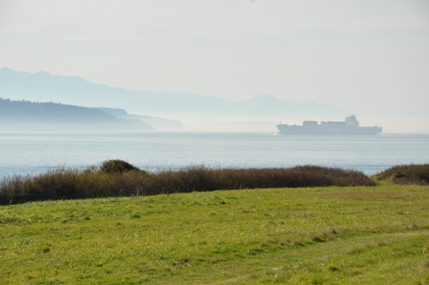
column 364, row 56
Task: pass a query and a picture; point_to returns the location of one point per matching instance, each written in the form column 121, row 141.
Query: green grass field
column 328, row 235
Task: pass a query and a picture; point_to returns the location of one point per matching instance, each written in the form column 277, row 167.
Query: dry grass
column 405, row 174
column 93, row 182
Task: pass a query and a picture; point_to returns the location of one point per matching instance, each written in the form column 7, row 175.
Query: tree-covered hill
column 54, row 116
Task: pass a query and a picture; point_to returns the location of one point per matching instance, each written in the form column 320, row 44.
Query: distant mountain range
column 168, row 110
column 43, row 87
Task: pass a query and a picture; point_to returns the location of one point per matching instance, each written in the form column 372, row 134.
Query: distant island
column 26, row 115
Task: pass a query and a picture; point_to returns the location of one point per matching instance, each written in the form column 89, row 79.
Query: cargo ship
column 350, row 126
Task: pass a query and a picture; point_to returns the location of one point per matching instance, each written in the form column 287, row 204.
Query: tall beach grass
column 115, row 178
column 405, row 174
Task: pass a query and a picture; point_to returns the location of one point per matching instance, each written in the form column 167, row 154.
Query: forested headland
column 26, row 115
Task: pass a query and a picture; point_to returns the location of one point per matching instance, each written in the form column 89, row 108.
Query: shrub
column 117, row 166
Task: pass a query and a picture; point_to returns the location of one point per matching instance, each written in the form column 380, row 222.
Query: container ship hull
column 349, row 127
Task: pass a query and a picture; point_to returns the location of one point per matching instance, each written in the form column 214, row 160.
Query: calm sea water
column 36, row 152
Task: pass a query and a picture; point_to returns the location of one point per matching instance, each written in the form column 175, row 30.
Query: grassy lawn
column 352, row 235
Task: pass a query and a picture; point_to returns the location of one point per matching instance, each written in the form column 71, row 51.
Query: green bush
column 117, row 166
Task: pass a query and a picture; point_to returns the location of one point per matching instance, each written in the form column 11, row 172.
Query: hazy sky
column 365, row 56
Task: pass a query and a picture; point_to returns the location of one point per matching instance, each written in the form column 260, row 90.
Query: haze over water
column 35, row 152
column 367, row 58
column 370, row 58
